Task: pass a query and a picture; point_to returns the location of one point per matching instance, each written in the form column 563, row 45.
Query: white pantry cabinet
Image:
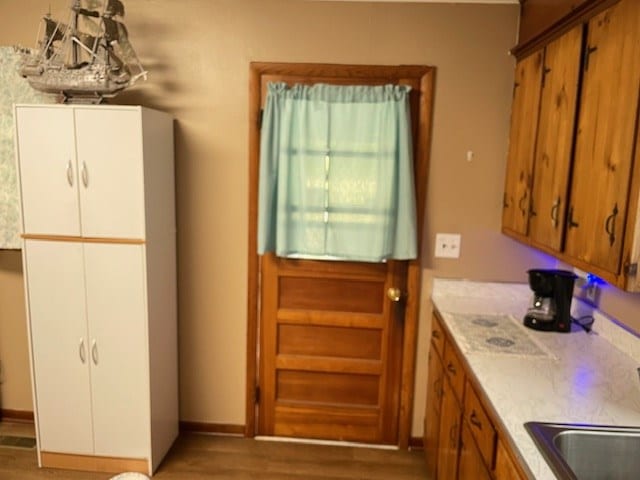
column 98, row 216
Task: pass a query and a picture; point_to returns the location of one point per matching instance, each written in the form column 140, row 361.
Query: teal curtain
column 336, row 173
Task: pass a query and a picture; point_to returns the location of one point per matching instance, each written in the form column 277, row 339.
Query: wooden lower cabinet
column 460, row 437
column 449, row 439
column 505, row 466
column 471, row 464
column 432, row 411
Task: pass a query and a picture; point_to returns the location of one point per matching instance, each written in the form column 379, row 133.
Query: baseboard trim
column 218, row 428
column 416, row 443
column 18, row 416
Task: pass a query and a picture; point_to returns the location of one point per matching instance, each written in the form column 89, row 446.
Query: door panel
column 48, row 170
column 346, row 342
column 119, row 357
column 55, row 286
column 322, row 387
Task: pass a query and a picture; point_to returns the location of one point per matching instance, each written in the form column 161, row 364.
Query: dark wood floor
column 197, row 457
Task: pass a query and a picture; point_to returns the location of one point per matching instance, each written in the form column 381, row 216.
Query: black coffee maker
column 550, row 307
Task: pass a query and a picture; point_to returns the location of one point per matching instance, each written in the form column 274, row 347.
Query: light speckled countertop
column 582, row 378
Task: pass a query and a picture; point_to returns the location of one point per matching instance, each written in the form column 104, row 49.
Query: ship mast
column 75, row 8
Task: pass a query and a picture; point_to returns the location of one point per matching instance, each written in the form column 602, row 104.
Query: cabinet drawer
column 480, row 426
column 437, row 335
column 454, row 370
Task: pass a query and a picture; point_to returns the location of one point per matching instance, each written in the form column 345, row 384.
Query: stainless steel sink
column 586, row 452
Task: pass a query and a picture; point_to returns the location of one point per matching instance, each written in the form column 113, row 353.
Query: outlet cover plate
column 447, row 245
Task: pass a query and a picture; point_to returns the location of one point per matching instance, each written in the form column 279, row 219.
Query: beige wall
column 15, row 387
column 198, row 55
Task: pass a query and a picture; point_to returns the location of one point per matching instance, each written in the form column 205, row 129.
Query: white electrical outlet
column 447, row 245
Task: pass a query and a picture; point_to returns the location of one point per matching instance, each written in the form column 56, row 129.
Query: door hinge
column 260, row 114
column 631, row 269
column 256, row 395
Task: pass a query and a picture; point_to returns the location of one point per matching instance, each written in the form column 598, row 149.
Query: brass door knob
column 394, row 294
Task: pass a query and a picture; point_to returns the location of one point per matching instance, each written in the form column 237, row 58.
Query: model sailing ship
column 86, row 60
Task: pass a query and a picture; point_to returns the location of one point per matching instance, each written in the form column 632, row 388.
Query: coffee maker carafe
column 550, row 307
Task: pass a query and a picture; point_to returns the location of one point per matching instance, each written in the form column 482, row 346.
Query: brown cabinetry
column 568, row 186
column 461, row 440
column 605, row 138
column 471, row 463
column 505, row 466
column 432, row 412
column 449, row 438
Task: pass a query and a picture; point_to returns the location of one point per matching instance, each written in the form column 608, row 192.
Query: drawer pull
column 451, row 369
column 435, row 334
column 453, row 437
column 473, row 419
column 437, row 386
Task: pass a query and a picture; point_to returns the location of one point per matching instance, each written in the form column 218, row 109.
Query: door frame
column 422, row 119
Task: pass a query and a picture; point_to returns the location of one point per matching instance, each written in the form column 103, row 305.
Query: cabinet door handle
column 82, row 351
column 70, row 173
column 94, row 351
column 554, row 212
column 610, row 225
column 570, row 222
column 522, row 203
column 505, row 203
column 437, row 388
column 451, row 369
column 452, row 436
column 435, row 334
column 545, row 71
column 587, row 53
column 85, row 175
column 473, row 420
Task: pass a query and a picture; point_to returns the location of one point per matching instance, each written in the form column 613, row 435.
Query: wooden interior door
column 330, row 353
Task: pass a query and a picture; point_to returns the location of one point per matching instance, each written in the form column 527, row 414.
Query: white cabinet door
column 110, row 163
column 116, row 308
column 54, row 274
column 48, row 173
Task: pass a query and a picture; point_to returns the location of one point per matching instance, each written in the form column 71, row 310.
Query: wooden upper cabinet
column 561, row 73
column 524, row 123
column 572, row 184
column 605, row 139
